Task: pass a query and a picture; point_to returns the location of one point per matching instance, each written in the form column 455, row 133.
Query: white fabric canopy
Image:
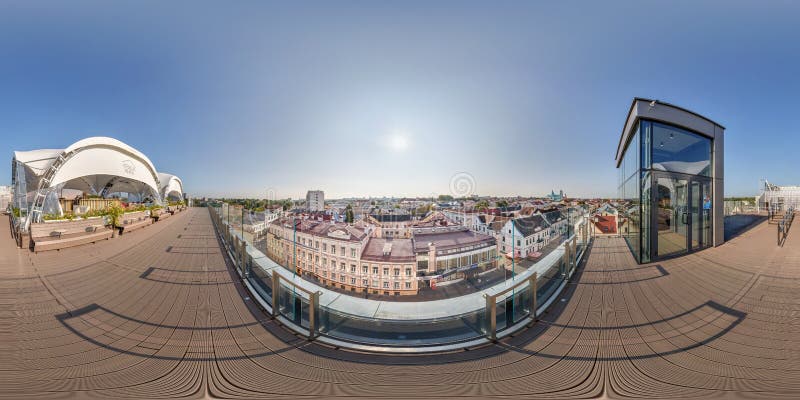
column 97, row 165
column 171, row 186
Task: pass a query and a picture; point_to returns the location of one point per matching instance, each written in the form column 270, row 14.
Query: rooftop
column 389, row 250
column 161, row 314
column 448, row 238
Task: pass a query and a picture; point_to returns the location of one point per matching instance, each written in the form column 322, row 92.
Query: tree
column 423, row 210
column 501, row 203
column 482, row 205
column 445, row 197
column 348, row 214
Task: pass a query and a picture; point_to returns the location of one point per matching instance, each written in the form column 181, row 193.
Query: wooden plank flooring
column 157, row 313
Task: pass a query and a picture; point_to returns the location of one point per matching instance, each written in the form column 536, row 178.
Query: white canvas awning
column 171, row 186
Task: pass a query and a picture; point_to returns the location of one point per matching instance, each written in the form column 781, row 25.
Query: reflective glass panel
column 678, row 150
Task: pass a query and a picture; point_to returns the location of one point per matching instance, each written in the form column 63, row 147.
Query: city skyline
column 383, row 100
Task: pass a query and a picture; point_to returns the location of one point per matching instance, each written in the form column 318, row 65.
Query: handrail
column 784, row 225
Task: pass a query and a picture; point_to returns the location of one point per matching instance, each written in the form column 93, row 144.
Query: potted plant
column 154, row 211
column 113, row 213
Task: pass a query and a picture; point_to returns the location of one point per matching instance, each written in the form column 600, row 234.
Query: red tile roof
column 606, row 224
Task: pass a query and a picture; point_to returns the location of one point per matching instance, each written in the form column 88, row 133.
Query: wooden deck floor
column 158, row 314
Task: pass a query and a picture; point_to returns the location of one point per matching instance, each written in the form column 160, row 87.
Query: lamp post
column 244, row 249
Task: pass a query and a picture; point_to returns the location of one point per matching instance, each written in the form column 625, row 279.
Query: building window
column 353, row 253
column 324, row 247
column 385, row 285
column 365, row 270
column 365, row 282
column 397, row 272
column 341, row 250
column 333, row 249
column 352, row 281
column 397, row 285
column 408, row 285
column 386, row 271
column 341, row 278
column 408, row 271
column 353, row 268
column 342, row 267
column 375, row 270
column 316, row 244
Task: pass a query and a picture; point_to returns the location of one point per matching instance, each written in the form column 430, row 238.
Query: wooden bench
column 62, row 234
column 134, row 220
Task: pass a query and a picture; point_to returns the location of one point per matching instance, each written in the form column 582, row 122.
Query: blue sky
column 371, row 98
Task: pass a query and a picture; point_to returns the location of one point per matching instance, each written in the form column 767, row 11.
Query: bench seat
column 63, row 234
column 163, row 214
column 133, row 221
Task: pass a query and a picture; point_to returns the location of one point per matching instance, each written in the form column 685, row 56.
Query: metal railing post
column 276, row 282
column 534, row 303
column 491, row 317
column 313, row 303
column 244, row 258
column 574, row 254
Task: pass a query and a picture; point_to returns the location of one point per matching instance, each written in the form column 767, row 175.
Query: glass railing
column 740, row 207
column 350, row 320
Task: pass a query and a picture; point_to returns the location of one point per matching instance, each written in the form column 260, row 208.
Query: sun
column 398, row 142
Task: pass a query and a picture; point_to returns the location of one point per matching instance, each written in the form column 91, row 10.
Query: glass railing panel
column 549, row 281
column 290, row 304
column 262, row 282
column 522, row 303
column 294, row 304
column 402, row 333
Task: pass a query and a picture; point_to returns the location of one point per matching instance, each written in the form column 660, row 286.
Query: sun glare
column 398, row 142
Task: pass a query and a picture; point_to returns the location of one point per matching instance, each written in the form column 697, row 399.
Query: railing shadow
column 662, row 273
column 78, row 313
column 724, row 310
column 146, row 276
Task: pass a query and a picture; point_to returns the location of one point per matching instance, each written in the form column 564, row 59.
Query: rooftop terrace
column 162, row 314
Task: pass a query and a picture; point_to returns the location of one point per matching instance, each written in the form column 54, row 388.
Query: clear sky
column 371, row 98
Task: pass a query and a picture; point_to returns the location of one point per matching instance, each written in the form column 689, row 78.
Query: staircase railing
column 784, row 225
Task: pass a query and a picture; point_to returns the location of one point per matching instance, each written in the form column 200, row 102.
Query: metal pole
column 513, row 250
column 513, row 269
column 534, row 305
column 294, row 264
column 244, row 247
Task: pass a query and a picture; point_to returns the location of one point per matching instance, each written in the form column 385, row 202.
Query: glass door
column 672, row 215
column 695, row 205
column 701, row 220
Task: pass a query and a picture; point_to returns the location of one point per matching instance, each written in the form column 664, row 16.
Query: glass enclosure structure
column 670, row 183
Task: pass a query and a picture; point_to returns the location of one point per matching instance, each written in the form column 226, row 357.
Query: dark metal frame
column 690, row 179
